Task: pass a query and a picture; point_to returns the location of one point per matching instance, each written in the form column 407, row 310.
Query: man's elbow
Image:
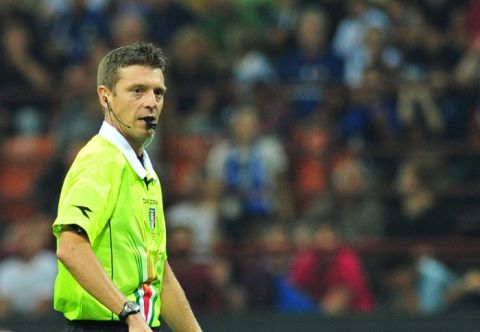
column 64, row 251
column 69, row 245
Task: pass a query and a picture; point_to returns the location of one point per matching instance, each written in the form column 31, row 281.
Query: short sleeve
column 89, row 195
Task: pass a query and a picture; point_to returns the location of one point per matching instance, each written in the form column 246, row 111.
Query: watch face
column 132, row 307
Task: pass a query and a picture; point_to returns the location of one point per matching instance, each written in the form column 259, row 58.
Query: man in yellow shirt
column 110, row 228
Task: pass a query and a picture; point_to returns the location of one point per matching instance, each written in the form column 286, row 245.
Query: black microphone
column 116, row 117
column 150, row 124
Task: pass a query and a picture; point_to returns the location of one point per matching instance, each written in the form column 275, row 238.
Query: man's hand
column 136, row 323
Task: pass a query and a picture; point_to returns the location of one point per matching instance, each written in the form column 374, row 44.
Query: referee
column 110, row 228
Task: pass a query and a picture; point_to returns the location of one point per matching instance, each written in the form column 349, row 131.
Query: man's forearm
column 175, row 307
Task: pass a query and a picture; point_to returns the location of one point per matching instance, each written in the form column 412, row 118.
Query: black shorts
column 97, row 326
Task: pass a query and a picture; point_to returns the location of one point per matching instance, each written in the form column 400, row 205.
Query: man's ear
column 103, row 95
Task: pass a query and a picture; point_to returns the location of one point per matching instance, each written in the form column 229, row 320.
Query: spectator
column 166, row 17
column 268, row 275
column 250, row 64
column 370, row 117
column 197, row 210
column 255, row 80
column 359, row 214
column 310, row 155
column 420, row 210
column 23, row 68
column 464, row 294
column 248, row 169
column 361, row 16
column 302, row 238
column 467, row 70
column 221, row 272
column 281, row 32
column 75, row 31
column 194, row 71
column 78, row 116
column 194, row 277
column 332, row 274
column 411, row 32
column 360, row 40
column 266, row 267
column 77, row 120
column 311, row 66
column 420, row 118
column 451, row 102
column 27, row 274
column 416, row 284
column 129, row 27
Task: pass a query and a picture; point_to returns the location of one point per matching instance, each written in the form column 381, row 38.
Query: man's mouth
column 148, row 118
column 149, row 121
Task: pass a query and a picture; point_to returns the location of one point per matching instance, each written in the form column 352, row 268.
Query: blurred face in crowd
column 180, row 242
column 275, row 241
column 191, row 46
column 374, row 42
column 245, row 126
column 311, row 32
column 402, row 278
column 136, row 98
column 325, row 238
column 407, row 181
column 129, row 28
column 356, row 7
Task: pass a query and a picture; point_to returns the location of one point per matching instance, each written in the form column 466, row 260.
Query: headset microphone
column 116, row 117
column 150, row 124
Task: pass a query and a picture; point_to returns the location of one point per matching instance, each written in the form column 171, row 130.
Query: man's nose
column 150, row 100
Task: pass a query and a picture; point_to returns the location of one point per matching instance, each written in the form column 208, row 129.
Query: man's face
column 245, row 128
column 325, row 239
column 136, row 99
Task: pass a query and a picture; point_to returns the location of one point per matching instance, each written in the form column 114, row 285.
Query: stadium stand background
column 365, row 115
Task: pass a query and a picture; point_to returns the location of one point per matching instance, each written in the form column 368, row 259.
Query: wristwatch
column 129, row 308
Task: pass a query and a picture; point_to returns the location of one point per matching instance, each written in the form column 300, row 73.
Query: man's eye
column 159, row 92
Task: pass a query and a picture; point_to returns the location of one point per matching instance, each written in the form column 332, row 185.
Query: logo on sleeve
column 85, row 210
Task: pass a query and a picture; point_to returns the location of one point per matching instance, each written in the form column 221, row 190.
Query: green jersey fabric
column 118, row 202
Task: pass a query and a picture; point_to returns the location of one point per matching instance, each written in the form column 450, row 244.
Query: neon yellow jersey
column 118, row 202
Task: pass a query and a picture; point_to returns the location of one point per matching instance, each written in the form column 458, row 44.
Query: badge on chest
column 152, row 218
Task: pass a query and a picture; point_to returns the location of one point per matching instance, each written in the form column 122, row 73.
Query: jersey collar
column 112, row 135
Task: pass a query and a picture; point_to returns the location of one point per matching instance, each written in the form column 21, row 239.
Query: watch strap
column 129, row 308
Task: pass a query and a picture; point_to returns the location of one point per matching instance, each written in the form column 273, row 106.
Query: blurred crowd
column 292, row 132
